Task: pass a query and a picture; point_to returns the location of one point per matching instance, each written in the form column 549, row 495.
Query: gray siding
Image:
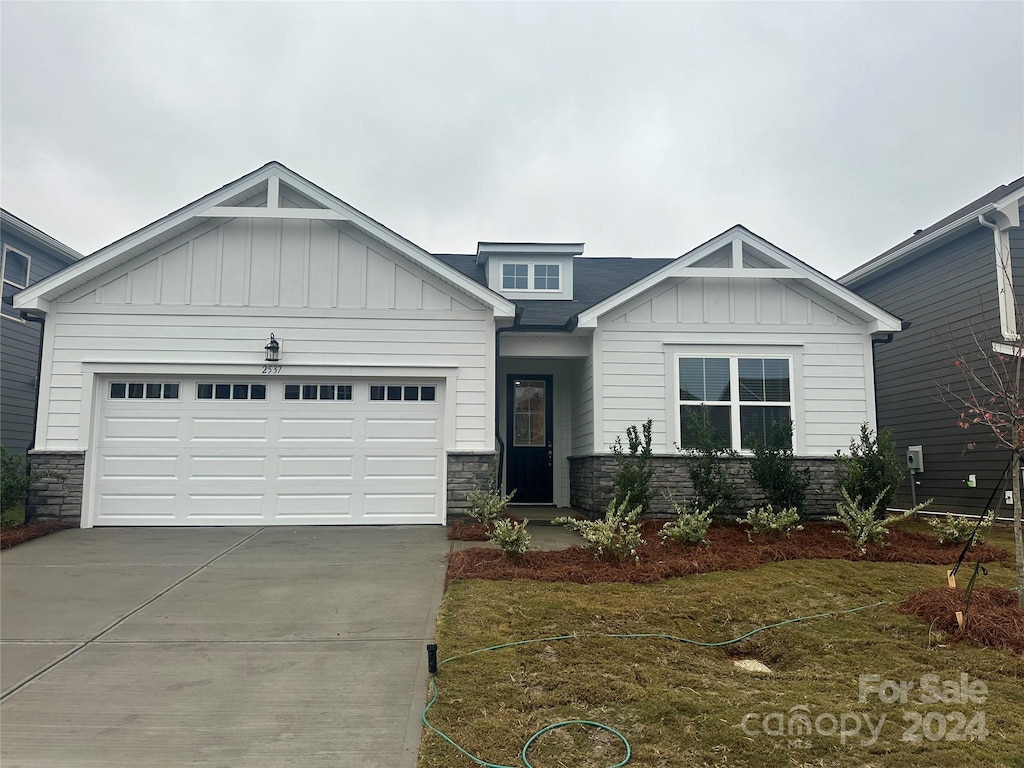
column 20, row 354
column 948, row 294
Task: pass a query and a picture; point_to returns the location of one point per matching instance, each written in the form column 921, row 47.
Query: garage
column 267, row 450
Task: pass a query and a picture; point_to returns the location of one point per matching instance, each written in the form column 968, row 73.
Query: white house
column 270, row 355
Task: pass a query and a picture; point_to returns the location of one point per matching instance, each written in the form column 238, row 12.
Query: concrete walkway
column 218, row 647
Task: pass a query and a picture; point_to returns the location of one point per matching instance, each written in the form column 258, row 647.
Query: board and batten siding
column 947, row 294
column 212, row 297
column 635, row 348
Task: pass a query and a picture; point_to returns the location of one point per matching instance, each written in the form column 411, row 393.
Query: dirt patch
column 728, row 549
column 993, row 618
column 14, row 536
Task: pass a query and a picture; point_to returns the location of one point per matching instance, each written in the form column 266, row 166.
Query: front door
column 529, row 438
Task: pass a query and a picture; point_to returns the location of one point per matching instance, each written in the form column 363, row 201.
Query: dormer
column 523, row 271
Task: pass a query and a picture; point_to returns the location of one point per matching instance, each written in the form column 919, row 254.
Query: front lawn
column 682, row 705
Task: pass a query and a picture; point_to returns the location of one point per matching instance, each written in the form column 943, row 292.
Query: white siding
column 638, row 343
column 213, row 296
column 583, row 406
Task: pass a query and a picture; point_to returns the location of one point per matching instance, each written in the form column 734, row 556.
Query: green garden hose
column 589, row 723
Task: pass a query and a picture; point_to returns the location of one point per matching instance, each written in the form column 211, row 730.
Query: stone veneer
column 58, row 497
column 591, row 489
column 468, row 471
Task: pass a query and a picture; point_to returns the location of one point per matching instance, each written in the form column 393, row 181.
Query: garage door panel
column 398, row 429
column 139, row 467
column 230, row 430
column 140, row 429
column 227, row 468
column 316, row 431
column 402, row 467
column 149, row 508
column 320, row 505
column 228, row 504
column 382, row 507
column 306, row 468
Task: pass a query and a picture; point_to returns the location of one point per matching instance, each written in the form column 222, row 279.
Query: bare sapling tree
column 985, row 391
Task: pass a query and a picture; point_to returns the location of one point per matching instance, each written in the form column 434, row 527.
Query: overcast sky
column 834, row 130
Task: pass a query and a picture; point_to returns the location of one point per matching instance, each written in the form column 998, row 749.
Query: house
column 29, row 255
column 953, row 281
column 270, row 355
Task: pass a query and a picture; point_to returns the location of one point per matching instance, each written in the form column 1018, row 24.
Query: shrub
column 705, row 461
column 689, row 527
column 15, row 480
column 864, row 525
column 635, row 469
column 488, row 506
column 614, row 537
column 872, row 470
column 774, row 469
column 767, row 520
column 511, row 537
column 953, row 529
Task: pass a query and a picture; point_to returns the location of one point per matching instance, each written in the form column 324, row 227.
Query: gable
column 709, row 300
column 266, row 198
column 739, row 277
column 274, row 263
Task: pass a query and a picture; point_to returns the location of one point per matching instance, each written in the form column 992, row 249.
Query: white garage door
column 258, row 452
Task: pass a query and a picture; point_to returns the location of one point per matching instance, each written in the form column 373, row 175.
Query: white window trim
column 531, row 267
column 734, row 353
column 5, row 281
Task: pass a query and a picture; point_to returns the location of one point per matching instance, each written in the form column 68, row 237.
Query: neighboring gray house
column 270, row 355
column 956, row 277
column 29, row 255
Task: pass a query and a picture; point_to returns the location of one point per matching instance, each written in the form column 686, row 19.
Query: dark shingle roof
column 594, row 279
column 867, row 269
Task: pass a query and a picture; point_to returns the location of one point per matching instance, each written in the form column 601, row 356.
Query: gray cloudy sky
column 832, row 129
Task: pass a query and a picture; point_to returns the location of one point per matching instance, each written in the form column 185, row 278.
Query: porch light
column 273, row 350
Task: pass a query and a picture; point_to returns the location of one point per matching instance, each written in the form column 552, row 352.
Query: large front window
column 744, row 398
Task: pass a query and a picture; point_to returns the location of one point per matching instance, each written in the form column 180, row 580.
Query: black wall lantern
column 273, row 350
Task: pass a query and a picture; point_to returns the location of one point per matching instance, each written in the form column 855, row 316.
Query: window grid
column 545, row 277
column 15, row 269
column 143, row 390
column 232, row 391
column 757, row 394
column 402, row 393
column 530, row 277
column 318, row 392
column 515, row 277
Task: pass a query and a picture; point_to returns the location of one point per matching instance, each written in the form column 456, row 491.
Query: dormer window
column 515, row 277
column 545, row 277
column 529, row 271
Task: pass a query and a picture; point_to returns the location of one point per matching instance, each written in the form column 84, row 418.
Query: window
column 545, row 277
column 317, row 391
column 15, row 276
column 744, row 397
column 527, row 277
column 231, row 391
column 398, row 393
column 515, row 277
column 138, row 390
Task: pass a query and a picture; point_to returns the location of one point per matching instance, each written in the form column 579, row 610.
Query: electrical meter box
column 915, row 458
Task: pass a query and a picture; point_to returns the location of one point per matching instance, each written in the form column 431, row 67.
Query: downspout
column 1007, row 321
column 499, row 469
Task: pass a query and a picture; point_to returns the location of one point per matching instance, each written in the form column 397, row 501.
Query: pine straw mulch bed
column 993, row 618
column 13, row 536
column 728, row 549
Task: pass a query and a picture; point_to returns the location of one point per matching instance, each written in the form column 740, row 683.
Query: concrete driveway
column 218, row 646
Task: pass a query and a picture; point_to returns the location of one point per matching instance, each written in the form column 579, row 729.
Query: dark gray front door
column 529, row 437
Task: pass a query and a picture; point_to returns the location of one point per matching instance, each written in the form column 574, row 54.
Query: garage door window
column 139, row 390
column 399, row 393
column 231, row 391
column 318, row 392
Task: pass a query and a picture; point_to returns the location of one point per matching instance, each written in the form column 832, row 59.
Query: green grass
column 680, row 705
column 12, row 516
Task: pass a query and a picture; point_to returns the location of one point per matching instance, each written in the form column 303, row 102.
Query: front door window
column 530, row 419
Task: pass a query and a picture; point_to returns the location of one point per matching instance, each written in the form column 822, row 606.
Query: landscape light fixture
column 273, row 350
